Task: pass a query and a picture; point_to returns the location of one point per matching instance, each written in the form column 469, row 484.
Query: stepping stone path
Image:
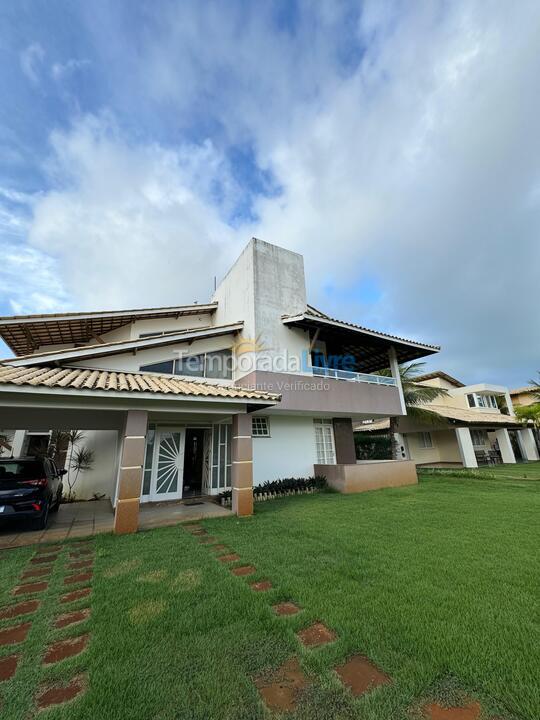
column 231, row 557
column 286, row 608
column 360, row 675
column 243, row 570
column 76, row 595
column 63, row 649
column 48, row 549
column 281, row 690
column 80, row 564
column 22, row 608
column 8, row 666
column 315, row 635
column 219, row 548
column 37, row 572
column 71, row 618
column 57, row 694
column 207, row 539
column 15, row 634
column 78, row 578
column 30, row 588
column 43, row 559
column 261, row 585
column 434, row 711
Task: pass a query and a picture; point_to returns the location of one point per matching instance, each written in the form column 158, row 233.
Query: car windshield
column 20, row 470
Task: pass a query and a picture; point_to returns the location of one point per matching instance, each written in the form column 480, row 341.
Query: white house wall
column 289, row 452
column 101, row 479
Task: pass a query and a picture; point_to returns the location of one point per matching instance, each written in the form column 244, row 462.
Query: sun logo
column 244, row 345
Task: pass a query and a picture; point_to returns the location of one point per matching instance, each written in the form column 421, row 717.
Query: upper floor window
column 217, row 365
column 482, row 401
column 260, row 427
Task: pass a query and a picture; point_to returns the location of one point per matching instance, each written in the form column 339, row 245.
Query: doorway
column 193, row 462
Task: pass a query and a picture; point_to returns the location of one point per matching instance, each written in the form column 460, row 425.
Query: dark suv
column 30, row 488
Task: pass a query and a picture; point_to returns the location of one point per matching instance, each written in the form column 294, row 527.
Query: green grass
column 517, row 471
column 437, row 584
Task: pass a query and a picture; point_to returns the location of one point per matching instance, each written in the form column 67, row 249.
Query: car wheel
column 41, row 522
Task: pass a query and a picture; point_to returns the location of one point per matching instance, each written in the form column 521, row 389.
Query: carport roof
column 107, row 380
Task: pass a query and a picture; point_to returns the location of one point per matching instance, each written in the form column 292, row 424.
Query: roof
column 525, row 389
column 439, row 374
column 454, row 415
column 107, row 380
column 121, row 346
column 25, row 333
column 370, row 346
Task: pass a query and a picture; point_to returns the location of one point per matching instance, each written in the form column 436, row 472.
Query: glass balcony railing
column 353, row 376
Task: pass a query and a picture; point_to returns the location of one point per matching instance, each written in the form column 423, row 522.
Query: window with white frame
column 479, row 438
column 217, row 365
column 482, row 401
column 260, row 426
column 425, row 440
column 324, row 441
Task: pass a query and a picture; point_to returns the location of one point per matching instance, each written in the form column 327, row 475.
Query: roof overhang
column 372, row 346
column 25, row 333
column 116, row 348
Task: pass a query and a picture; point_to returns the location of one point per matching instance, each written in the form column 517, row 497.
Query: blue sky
column 393, row 144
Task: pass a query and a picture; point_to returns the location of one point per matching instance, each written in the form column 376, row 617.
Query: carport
column 83, row 399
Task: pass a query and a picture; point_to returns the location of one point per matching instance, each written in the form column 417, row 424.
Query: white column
column 466, row 449
column 394, row 369
column 18, row 442
column 527, row 444
column 509, row 403
column 505, row 446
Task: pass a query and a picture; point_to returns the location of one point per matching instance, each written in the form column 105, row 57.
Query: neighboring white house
column 467, row 427
column 255, row 377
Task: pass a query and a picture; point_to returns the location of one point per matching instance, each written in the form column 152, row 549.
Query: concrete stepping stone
column 281, row 690
column 219, row 548
column 230, row 557
column 63, row 649
column 16, row 634
column 243, row 570
column 315, row 635
column 51, row 695
column 48, row 549
column 22, row 608
column 81, row 553
column 76, row 595
column 207, row 539
column 78, row 578
column 360, row 675
column 8, row 667
column 43, row 559
column 435, row 711
column 286, row 608
column 37, row 572
column 30, row 588
column 80, row 564
column 193, row 529
column 71, row 618
column 261, row 585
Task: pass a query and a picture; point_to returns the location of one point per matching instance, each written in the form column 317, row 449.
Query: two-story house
column 181, row 401
column 466, row 427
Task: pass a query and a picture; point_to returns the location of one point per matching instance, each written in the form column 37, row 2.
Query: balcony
column 353, row 376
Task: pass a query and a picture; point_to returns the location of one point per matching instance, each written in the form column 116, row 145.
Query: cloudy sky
column 395, row 144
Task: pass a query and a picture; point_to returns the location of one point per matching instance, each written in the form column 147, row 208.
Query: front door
column 168, row 464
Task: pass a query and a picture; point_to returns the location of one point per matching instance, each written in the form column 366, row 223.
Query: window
column 482, row 401
column 260, row 427
column 479, row 438
column 217, row 365
column 165, row 366
column 221, row 456
column 425, row 440
column 472, row 402
column 324, row 442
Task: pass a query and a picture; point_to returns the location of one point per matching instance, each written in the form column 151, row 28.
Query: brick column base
column 126, row 516
column 242, row 465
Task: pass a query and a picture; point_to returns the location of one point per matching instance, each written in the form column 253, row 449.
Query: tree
column 416, row 396
column 536, row 386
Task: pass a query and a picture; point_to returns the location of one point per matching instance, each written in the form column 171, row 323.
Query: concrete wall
column 445, row 447
column 102, row 478
column 289, row 452
column 370, row 475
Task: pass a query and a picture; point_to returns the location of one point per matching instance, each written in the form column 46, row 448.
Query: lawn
column 436, row 584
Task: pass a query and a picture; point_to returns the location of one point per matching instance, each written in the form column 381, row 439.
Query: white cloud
column 31, row 58
column 60, row 70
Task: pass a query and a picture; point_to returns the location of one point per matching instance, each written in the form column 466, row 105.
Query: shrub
column 285, row 486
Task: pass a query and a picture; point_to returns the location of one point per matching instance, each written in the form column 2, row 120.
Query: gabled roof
column 370, row 345
column 25, row 333
column 525, row 389
column 82, row 379
column 439, row 374
column 121, row 346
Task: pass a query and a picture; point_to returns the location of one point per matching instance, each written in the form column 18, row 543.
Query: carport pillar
column 126, row 516
column 466, row 448
column 242, row 465
column 527, row 444
column 396, row 374
column 505, row 446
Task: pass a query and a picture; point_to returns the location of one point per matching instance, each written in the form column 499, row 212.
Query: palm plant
column 536, row 385
column 416, row 396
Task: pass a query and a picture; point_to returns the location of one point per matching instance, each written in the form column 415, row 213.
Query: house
column 468, row 426
column 523, row 396
column 196, row 399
